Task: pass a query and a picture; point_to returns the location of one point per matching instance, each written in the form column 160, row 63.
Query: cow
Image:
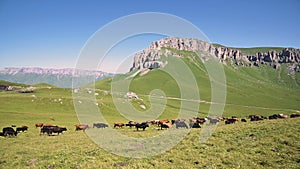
column 180, row 124
column 46, row 129
column 131, row 123
column 9, row 131
column 274, row 116
column 231, row 121
column 255, row 118
column 165, row 125
column 22, row 128
column 153, row 121
column 81, row 127
column 100, row 125
column 195, row 125
column 118, row 124
column 282, row 116
column 39, row 125
column 294, row 115
column 198, row 120
column 243, row 120
column 213, row 121
column 48, row 125
column 201, row 120
column 142, row 125
column 52, row 129
column 160, row 122
column 177, row 120
column 58, row 130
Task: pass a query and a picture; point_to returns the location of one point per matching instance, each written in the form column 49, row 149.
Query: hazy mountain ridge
column 57, row 77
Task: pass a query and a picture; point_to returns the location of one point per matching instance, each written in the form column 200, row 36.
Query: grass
column 253, row 50
column 264, row 144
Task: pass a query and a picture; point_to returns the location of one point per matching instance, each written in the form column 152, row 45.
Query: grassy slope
column 259, row 90
column 12, row 84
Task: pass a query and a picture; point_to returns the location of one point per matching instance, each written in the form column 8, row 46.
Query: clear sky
column 50, row 33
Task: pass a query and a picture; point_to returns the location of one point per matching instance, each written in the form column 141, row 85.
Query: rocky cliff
column 151, row 57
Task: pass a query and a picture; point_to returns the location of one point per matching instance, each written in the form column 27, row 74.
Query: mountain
column 258, row 88
column 274, row 57
column 56, row 77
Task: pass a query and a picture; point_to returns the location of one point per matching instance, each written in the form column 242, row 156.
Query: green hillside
column 3, row 82
column 260, row 90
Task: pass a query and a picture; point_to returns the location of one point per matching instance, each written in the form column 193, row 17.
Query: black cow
column 195, row 125
column 243, row 120
column 9, row 131
column 180, row 124
column 165, row 125
column 52, row 129
column 131, row 123
column 274, row 116
column 46, row 129
column 231, row 121
column 143, row 125
column 100, row 125
column 255, row 118
column 58, row 130
column 294, row 115
column 22, row 128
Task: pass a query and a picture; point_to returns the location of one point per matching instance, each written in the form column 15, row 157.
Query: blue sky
column 51, row 33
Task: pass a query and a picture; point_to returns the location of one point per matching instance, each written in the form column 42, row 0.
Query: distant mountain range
column 56, row 77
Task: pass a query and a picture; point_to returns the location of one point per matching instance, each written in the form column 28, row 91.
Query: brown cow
column 160, row 122
column 39, row 125
column 118, row 124
column 81, row 127
column 153, row 122
column 48, row 125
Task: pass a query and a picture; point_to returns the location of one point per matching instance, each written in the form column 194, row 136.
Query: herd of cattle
column 196, row 122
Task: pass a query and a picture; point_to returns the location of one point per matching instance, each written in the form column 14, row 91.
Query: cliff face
column 151, row 57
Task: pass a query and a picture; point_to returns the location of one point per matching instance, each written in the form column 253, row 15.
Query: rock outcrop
column 151, row 57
